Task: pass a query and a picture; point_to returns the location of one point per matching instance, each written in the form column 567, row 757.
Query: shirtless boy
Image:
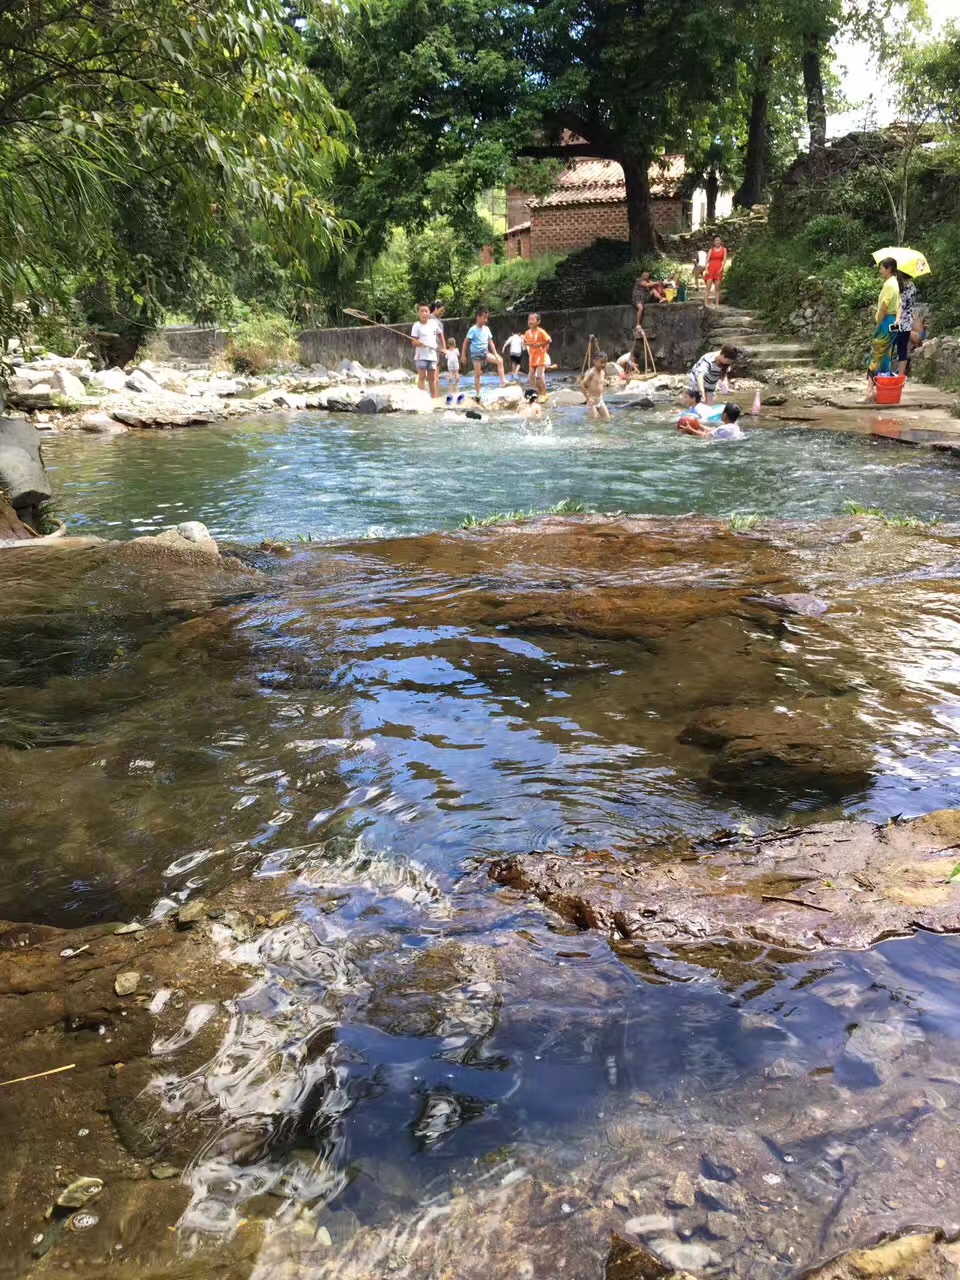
column 592, row 384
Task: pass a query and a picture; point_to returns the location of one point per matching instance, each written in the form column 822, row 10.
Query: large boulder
column 67, row 384
column 99, row 423
column 138, row 380
column 108, row 380
column 374, row 402
column 21, row 465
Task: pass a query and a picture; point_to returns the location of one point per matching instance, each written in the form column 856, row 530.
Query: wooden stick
column 54, row 1071
column 358, row 315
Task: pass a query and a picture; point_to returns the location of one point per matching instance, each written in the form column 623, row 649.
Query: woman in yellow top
column 888, row 304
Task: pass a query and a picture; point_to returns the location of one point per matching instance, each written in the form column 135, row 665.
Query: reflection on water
column 344, row 476
column 366, row 726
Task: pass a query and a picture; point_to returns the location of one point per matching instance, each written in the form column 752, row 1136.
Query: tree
column 628, row 77
column 202, row 120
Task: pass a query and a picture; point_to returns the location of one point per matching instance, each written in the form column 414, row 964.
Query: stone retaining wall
column 676, row 332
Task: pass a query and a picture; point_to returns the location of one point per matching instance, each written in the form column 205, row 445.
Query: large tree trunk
column 752, row 188
column 813, row 88
column 712, row 188
column 643, row 231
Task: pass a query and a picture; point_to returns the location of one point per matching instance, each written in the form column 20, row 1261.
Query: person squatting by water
column 705, row 376
column 483, row 350
column 888, row 307
column 427, row 332
column 691, row 424
column 453, row 363
column 537, row 341
column 592, row 385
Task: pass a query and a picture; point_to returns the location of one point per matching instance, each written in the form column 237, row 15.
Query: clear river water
column 425, row 1074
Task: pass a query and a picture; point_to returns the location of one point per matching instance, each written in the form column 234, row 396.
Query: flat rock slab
column 841, row 885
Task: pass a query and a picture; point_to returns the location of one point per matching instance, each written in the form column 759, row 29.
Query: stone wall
column 676, row 333
column 191, row 343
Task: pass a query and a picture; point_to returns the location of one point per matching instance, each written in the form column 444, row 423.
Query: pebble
column 782, row 1069
column 76, row 1195
column 133, row 927
column 648, row 1224
column 720, row 1195
column 685, row 1257
column 163, row 1171
column 126, row 984
column 681, row 1194
column 721, row 1225
column 190, row 913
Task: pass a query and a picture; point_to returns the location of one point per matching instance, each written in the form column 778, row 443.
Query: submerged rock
column 796, row 748
column 627, row 1261
column 79, row 1192
column 843, row 884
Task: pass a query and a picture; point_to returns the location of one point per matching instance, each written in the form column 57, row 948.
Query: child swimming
column 592, row 385
column 692, row 424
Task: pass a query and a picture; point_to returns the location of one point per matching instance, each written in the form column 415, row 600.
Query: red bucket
column 890, row 387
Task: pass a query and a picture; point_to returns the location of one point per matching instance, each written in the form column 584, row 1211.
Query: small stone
column 82, row 1221
column 126, row 984
column 323, row 1237
column 892, row 1258
column 626, row 1261
column 719, row 1195
column 681, row 1194
column 649, row 1224
column 133, row 927
column 721, row 1225
column 685, row 1257
column 79, row 1192
column 163, row 1171
column 782, row 1069
column 190, row 913
column 278, row 918
column 716, row 1171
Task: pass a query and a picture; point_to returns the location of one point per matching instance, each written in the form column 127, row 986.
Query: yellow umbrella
column 910, row 261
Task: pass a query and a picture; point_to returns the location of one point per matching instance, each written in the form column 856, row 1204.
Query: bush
column 602, row 275
column 260, row 342
column 502, row 284
column 859, row 287
column 834, row 235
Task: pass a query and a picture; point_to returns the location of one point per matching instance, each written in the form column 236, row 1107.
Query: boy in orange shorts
column 537, row 341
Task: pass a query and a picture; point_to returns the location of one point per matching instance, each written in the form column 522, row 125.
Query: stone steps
column 763, row 352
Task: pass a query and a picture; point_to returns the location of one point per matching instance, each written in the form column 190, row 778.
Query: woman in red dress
column 716, row 265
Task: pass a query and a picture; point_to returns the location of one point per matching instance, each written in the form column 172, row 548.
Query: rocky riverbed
column 556, row 899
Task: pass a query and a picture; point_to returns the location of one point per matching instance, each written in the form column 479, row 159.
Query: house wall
column 563, row 228
column 517, row 202
column 518, row 244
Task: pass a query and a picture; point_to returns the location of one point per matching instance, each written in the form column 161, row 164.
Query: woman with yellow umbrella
column 895, row 308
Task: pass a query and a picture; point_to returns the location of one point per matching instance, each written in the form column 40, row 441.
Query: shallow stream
column 427, row 1074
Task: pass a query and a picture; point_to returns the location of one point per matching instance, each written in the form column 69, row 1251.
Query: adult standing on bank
column 713, row 275
column 905, row 317
column 888, row 307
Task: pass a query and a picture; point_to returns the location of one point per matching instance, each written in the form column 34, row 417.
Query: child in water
column 592, row 384
column 453, row 364
column 728, row 427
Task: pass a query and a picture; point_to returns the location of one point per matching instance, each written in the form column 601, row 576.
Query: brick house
column 589, row 203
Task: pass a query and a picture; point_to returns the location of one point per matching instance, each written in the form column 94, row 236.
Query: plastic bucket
column 890, row 387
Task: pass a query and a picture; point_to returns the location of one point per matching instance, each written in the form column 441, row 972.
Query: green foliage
column 877, row 513
column 261, row 342
column 744, row 521
column 564, row 508
column 602, row 275
column 141, row 139
column 503, row 284
column 833, row 235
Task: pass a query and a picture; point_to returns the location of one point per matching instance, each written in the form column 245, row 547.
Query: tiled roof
column 601, row 182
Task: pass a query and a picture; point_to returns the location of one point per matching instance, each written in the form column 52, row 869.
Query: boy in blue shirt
column 483, row 350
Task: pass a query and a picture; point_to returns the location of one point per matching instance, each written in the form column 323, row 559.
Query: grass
column 565, row 508
column 744, row 521
column 877, row 513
